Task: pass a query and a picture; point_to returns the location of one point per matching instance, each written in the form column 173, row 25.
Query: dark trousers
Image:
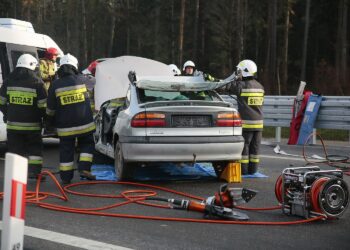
column 67, row 148
column 27, row 145
column 250, row 154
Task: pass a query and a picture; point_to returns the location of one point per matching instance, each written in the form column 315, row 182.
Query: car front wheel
column 98, row 131
column 122, row 169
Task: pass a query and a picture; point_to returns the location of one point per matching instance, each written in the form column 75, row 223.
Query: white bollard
column 13, row 213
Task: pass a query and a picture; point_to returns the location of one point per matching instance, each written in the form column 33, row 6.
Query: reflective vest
column 48, row 70
column 250, row 99
column 23, row 101
column 68, row 103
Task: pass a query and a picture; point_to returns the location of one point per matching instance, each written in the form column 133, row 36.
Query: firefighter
column 23, row 103
column 68, row 107
column 48, row 67
column 250, row 98
column 90, row 82
column 189, row 69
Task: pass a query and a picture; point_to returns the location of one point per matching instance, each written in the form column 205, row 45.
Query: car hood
column 112, row 75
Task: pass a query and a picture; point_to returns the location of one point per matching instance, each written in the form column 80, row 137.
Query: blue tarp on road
column 164, row 172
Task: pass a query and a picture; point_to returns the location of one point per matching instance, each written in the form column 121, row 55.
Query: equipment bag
column 297, row 117
column 309, row 119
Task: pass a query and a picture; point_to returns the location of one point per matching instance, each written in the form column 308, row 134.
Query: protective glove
column 208, row 77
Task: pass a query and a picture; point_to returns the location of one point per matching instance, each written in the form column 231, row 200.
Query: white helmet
column 188, row 64
column 27, row 61
column 248, row 68
column 174, row 69
column 69, row 59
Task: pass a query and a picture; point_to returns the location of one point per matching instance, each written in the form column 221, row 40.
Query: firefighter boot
column 66, row 176
column 84, row 174
column 252, row 168
column 244, row 169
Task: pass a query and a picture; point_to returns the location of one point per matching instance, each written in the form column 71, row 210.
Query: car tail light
column 228, row 119
column 146, row 119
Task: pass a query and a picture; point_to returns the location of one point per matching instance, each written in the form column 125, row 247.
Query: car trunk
column 190, row 118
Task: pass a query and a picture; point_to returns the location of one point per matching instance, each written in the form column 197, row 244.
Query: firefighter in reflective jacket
column 48, row 67
column 68, row 106
column 250, row 98
column 23, row 102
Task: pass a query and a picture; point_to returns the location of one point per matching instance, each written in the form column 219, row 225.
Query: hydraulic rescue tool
column 309, row 191
column 219, row 206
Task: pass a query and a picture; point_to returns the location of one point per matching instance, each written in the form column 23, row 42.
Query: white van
column 16, row 38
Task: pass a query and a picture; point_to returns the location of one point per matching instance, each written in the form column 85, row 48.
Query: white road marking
column 66, row 239
column 283, row 157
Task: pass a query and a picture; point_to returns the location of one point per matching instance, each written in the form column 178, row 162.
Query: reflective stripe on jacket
column 250, row 99
column 68, row 102
column 23, row 101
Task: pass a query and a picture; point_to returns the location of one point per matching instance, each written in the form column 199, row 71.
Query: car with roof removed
column 149, row 116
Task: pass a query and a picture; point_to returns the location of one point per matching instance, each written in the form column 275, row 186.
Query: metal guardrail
column 334, row 112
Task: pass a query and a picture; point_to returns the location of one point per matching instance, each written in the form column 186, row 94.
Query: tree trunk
column 238, row 30
column 284, row 59
column 111, row 37
column 195, row 33
column 203, row 33
column 68, row 38
column 232, row 40
column 306, row 36
column 343, row 47
column 128, row 28
column 14, row 8
column 173, row 58
column 83, row 32
column 270, row 61
column 156, row 30
column 181, row 31
column 273, row 62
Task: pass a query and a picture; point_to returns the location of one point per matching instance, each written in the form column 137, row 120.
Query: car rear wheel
column 219, row 167
column 122, row 169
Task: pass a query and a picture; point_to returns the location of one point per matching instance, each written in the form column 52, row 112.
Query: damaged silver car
column 162, row 118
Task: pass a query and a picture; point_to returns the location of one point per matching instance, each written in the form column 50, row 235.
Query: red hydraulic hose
column 135, row 196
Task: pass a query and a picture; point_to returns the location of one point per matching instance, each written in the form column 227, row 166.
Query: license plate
column 191, row 121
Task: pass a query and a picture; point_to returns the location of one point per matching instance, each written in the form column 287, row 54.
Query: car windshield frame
column 146, row 95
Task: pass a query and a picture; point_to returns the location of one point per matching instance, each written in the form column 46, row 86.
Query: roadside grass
column 326, row 134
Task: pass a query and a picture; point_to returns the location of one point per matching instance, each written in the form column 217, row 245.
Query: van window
column 16, row 54
column 14, row 51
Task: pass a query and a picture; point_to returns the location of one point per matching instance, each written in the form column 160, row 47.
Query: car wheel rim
column 97, row 132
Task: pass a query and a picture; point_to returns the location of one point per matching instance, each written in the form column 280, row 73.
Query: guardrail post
column 278, row 134
column 314, row 142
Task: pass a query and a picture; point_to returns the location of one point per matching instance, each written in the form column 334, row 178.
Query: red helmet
column 92, row 67
column 51, row 52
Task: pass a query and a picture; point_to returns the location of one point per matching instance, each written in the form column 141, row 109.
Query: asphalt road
column 150, row 234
